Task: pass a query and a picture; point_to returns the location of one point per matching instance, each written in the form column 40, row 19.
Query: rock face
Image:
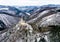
column 17, row 33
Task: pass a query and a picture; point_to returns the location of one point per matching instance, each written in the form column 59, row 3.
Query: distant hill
column 14, row 12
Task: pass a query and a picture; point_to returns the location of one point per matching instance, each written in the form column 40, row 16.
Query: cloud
column 28, row 2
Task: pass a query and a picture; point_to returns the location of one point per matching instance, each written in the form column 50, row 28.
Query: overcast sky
column 28, row 2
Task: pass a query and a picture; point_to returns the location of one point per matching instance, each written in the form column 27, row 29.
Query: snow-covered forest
column 30, row 23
